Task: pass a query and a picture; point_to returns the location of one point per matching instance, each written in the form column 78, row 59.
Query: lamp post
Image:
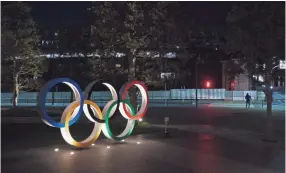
column 166, row 131
column 196, row 74
column 165, row 91
column 165, row 78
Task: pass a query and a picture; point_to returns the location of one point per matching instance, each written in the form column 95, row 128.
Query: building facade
column 244, row 81
column 231, row 81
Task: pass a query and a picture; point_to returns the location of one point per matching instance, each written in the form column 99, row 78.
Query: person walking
column 247, row 98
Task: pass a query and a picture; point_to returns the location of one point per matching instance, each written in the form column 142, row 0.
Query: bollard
column 167, row 133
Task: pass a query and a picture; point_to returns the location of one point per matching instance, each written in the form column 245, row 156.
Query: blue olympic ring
column 41, row 101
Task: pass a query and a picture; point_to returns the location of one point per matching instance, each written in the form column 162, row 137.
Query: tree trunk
column 15, row 85
column 132, row 76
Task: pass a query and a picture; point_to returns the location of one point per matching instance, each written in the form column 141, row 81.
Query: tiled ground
column 183, row 152
column 204, row 141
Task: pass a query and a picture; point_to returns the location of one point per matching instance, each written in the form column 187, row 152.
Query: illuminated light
column 122, row 140
column 260, row 78
column 167, row 75
column 120, row 55
column 56, row 149
column 282, row 64
column 271, row 87
column 71, row 153
column 208, row 84
column 156, row 56
column 138, row 142
column 92, row 144
column 140, row 120
column 232, row 85
column 170, row 55
column 108, row 147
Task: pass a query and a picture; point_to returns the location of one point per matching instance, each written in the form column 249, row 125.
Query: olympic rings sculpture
column 92, row 111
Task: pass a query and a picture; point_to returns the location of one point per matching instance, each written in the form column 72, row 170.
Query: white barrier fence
column 174, row 94
column 203, row 94
column 240, row 95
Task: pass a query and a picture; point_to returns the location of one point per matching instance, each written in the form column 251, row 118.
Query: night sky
column 52, row 15
column 56, row 14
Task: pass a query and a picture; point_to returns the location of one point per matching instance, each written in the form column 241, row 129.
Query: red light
column 208, row 84
column 232, row 85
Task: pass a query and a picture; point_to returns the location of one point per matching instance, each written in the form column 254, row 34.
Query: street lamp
column 196, row 73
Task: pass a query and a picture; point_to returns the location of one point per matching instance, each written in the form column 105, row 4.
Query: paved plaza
column 204, row 140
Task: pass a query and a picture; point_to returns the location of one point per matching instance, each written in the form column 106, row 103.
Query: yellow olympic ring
column 69, row 111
